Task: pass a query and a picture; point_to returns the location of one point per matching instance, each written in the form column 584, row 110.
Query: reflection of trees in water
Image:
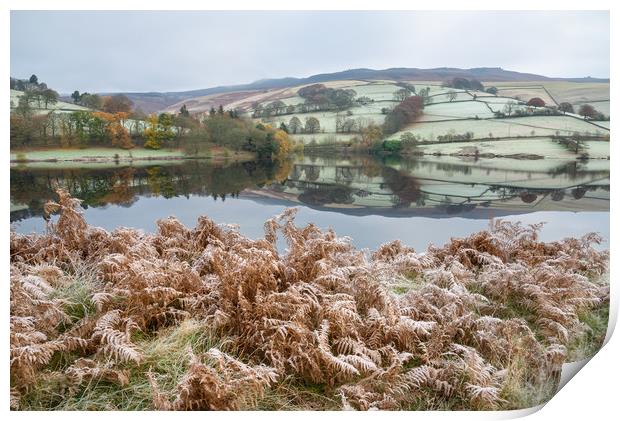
column 356, row 179
column 453, row 168
column 346, row 174
column 460, row 208
column 577, row 169
column 371, row 168
column 308, row 172
column 406, row 188
column 282, row 170
column 579, row 192
column 122, row 186
column 323, row 194
column 457, row 204
column 571, row 169
column 312, row 173
column 557, row 195
column 121, row 192
column 528, row 197
column 161, row 183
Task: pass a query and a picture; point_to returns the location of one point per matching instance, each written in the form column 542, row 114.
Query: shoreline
column 109, row 155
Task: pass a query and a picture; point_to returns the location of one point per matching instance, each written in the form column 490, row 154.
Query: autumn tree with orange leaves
column 115, row 129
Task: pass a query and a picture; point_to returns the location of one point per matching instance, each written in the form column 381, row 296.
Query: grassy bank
column 205, row 318
column 116, row 154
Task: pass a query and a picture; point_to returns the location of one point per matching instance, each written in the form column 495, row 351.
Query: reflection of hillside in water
column 433, row 185
column 449, row 185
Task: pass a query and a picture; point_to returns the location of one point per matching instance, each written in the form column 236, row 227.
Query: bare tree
column 508, row 108
column 401, row 94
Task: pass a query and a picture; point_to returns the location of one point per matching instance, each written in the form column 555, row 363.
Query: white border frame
column 591, row 394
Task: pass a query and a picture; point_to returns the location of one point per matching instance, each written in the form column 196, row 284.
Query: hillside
column 157, row 101
column 63, row 107
column 468, row 122
column 60, row 106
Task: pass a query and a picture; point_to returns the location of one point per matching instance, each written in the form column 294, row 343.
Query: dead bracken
column 484, row 322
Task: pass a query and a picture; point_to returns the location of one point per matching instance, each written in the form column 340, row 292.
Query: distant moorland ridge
column 156, row 101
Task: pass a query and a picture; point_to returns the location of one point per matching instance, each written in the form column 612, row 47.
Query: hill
column 59, row 107
column 157, row 101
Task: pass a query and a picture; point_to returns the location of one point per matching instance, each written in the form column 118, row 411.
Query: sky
column 141, row 51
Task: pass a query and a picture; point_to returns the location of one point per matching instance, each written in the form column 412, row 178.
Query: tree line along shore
column 376, row 117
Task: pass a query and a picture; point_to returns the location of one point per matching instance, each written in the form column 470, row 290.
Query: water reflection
column 445, row 185
column 433, row 186
column 31, row 187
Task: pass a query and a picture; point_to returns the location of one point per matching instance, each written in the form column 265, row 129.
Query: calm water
column 420, row 201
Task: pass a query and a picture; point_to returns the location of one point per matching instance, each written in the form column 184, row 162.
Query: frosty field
column 543, row 147
column 500, row 128
column 469, row 111
column 60, row 106
column 455, row 110
column 94, row 154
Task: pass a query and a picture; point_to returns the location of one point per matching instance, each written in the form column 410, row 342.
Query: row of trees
column 511, row 109
column 109, row 124
column 85, row 128
column 406, row 90
column 229, row 130
column 39, row 94
column 350, row 125
column 404, row 113
column 40, row 98
column 319, row 97
column 35, row 92
column 109, row 103
column 158, row 131
column 80, row 128
column 585, row 110
column 316, row 97
column 295, row 126
column 278, row 107
column 274, row 108
column 463, row 83
column 27, row 84
column 31, row 127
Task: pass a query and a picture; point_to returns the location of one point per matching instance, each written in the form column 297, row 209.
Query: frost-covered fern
column 479, row 317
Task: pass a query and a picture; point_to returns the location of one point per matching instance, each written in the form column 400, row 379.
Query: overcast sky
column 170, row 51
